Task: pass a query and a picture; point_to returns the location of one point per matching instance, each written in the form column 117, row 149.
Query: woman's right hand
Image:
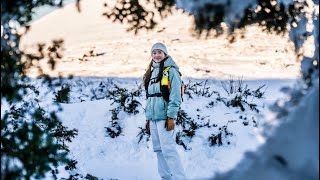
column 169, row 124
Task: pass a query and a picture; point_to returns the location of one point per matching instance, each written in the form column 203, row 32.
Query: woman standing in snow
column 161, row 112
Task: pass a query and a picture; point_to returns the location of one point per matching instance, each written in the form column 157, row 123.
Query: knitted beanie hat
column 159, row 46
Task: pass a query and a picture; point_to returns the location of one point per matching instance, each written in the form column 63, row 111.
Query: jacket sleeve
column 175, row 93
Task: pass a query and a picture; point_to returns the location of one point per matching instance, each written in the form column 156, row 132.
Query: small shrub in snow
column 182, row 140
column 240, row 94
column 189, row 128
column 143, row 134
column 188, row 131
column 100, row 92
column 88, row 90
column 63, row 95
column 217, row 139
column 182, row 118
column 71, row 165
column 185, row 136
column 115, row 130
column 127, row 100
column 198, row 88
column 63, row 134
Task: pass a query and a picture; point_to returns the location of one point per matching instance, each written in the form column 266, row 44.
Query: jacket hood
column 168, row 62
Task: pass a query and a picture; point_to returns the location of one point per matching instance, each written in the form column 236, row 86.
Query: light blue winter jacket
column 157, row 108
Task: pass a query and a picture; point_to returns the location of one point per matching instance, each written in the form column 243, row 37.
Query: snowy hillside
column 203, row 151
column 93, row 48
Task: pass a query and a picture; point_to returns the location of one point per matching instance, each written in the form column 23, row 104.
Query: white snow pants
column 169, row 163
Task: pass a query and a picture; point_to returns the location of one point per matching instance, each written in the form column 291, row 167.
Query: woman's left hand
column 169, row 125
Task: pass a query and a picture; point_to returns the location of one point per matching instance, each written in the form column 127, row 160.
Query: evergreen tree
column 32, row 140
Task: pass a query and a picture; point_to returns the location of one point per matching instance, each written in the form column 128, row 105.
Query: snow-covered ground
column 124, row 158
column 291, row 152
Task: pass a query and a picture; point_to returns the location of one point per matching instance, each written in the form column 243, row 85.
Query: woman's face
column 158, row 55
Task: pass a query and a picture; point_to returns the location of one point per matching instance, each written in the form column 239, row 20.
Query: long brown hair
column 147, row 75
